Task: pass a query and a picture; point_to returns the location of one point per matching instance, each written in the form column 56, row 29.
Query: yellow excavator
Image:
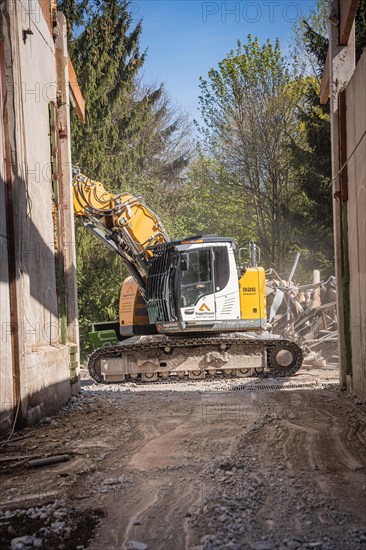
column 187, row 310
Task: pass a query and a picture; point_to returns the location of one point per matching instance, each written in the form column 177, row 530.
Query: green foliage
column 311, row 155
column 248, row 107
column 309, row 41
column 267, row 149
column 316, row 46
column 312, row 168
column 213, row 204
column 133, row 140
column 107, row 58
column 360, row 29
column 75, row 12
column 99, row 273
column 261, row 172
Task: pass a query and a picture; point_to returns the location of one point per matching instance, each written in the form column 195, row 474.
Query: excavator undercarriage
column 161, row 357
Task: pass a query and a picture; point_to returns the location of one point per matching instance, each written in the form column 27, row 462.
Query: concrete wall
column 6, row 377
column 35, row 358
column 356, row 153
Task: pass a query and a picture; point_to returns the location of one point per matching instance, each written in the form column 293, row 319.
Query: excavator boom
column 122, row 221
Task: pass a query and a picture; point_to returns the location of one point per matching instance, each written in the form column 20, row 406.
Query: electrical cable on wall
column 349, row 158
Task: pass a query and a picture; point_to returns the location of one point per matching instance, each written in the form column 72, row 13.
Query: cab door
column 227, row 301
column 197, row 285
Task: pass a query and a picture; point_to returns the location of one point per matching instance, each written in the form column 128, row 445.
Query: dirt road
column 192, row 465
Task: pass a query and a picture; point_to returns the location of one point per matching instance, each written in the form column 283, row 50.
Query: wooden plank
column 76, row 93
column 341, row 68
column 324, row 84
column 356, row 124
column 360, row 164
column 353, row 233
column 348, row 10
column 45, row 6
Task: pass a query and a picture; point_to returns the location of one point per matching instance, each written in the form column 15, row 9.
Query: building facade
column 38, row 293
column 344, row 82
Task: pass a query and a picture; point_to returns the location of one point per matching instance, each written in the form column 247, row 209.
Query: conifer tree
column 312, row 154
column 126, row 142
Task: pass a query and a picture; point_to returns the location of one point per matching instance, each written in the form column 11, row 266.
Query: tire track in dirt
column 165, row 461
column 149, row 453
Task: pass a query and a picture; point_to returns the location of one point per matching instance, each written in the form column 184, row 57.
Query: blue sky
column 185, row 38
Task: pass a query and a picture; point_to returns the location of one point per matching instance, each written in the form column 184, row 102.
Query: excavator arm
column 121, row 221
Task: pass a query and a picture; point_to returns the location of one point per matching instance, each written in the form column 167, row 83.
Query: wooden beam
column 47, row 14
column 76, row 93
column 347, row 10
column 324, row 84
column 341, row 68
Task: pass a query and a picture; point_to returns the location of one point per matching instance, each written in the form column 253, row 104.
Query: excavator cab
column 193, row 287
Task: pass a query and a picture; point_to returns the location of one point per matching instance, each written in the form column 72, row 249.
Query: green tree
column 360, row 29
column 133, row 139
column 211, row 203
column 107, row 58
column 248, row 105
column 75, row 12
column 311, row 159
column 309, row 44
column 311, row 155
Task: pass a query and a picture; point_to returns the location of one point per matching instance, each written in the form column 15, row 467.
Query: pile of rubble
column 306, row 314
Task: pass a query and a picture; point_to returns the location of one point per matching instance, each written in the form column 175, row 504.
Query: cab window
column 221, row 267
column 197, row 278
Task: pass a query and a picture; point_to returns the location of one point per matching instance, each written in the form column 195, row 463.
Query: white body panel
column 227, row 300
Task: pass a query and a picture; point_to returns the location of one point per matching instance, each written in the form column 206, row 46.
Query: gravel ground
column 242, row 463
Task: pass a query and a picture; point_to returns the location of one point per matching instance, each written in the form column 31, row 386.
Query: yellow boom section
column 122, row 214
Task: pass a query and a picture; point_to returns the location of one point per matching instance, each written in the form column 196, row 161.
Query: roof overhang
column 76, row 96
column 324, row 84
column 347, row 10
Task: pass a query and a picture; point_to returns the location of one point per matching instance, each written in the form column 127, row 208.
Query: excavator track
column 162, row 357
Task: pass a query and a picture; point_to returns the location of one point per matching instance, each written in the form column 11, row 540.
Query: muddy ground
column 193, row 465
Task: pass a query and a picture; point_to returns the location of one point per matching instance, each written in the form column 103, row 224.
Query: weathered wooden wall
column 356, row 153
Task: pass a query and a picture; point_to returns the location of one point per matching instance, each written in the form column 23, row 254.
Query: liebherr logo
column 204, row 308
